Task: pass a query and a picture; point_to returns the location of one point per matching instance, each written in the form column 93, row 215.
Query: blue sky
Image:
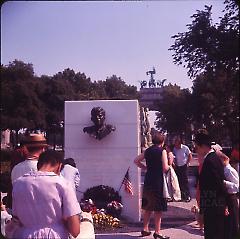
column 99, row 38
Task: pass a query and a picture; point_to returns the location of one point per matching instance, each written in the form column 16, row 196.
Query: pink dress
column 41, row 200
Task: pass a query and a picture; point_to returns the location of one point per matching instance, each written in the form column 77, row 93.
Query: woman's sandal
column 156, row 236
column 145, row 233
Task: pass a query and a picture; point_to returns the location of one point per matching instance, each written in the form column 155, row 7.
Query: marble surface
column 105, row 162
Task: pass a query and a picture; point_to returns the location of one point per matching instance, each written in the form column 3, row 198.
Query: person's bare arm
column 170, row 158
column 189, row 159
column 73, row 225
column 165, row 161
column 139, row 161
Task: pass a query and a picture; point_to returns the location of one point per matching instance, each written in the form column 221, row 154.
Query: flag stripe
column 127, row 184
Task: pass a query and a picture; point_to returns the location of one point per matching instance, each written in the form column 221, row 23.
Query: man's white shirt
column 22, row 168
column 181, row 155
column 231, row 179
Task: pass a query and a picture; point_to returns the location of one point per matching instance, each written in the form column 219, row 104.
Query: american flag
column 127, row 183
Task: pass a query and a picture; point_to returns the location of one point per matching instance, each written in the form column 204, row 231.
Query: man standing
column 182, row 159
column 35, row 143
column 211, row 185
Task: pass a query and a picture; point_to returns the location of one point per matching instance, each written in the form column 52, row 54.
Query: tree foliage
column 32, row 102
column 210, row 52
column 217, row 104
column 174, row 112
column 20, row 105
column 207, row 46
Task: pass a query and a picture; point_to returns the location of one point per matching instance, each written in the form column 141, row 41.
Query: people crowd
column 217, row 190
column 42, row 199
column 43, row 202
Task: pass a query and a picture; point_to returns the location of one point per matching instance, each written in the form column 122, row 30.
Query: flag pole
column 123, row 179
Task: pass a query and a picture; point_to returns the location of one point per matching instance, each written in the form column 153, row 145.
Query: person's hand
column 224, row 183
column 226, row 212
column 144, row 168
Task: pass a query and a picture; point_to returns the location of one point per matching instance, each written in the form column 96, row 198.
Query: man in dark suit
column 212, row 190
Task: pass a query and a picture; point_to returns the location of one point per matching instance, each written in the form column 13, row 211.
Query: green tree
column 174, row 114
column 20, row 105
column 210, row 53
column 53, row 91
column 32, row 102
column 98, row 91
column 116, row 88
column 215, row 110
column 207, row 46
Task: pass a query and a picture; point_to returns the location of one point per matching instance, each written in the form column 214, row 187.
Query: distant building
column 151, row 91
column 149, row 97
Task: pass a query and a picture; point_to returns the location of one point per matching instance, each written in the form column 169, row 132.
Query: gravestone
column 106, row 161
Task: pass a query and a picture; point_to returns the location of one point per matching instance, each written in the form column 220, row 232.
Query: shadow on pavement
column 192, row 230
column 177, row 216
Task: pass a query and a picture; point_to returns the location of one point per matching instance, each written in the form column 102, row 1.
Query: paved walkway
column 178, row 223
column 188, row 231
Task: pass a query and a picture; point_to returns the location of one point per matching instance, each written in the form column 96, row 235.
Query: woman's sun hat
column 35, row 140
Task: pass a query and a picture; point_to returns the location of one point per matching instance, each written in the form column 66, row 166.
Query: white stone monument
column 106, row 161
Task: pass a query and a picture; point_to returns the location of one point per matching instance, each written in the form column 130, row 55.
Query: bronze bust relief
column 100, row 129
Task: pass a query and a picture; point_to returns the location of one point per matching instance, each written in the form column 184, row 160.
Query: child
column 232, row 185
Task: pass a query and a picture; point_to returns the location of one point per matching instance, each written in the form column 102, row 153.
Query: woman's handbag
column 165, row 187
column 176, row 192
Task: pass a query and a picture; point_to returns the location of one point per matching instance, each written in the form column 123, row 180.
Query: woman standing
column 152, row 197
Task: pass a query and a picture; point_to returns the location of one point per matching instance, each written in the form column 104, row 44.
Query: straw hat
column 35, row 140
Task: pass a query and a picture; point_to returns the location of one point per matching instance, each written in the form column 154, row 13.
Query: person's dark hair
column 179, row 138
column 169, row 146
column 158, row 138
column 70, row 161
column 96, row 111
column 19, row 155
column 49, row 156
column 202, row 137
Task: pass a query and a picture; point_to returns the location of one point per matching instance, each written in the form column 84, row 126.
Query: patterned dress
column 152, row 199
